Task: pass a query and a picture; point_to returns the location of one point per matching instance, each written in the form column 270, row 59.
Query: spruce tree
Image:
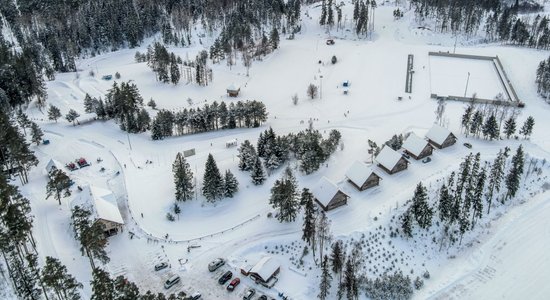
column 527, row 128
column 174, row 70
column 323, row 19
column 514, row 174
column 337, row 258
column 490, row 128
column 477, row 123
column 326, row 277
column 274, row 38
column 36, row 134
column 258, row 174
column 247, row 156
column 467, row 118
column 420, row 207
column 23, row 121
column 284, row 197
column 58, row 185
column 231, row 185
column 330, row 14
column 308, row 229
column 183, row 178
column 88, row 104
column 477, row 200
column 212, row 188
column 445, row 203
column 54, row 113
column 495, row 177
column 407, row 222
column 350, row 279
column 510, row 127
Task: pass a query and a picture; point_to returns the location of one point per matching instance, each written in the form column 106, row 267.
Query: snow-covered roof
column 324, row 191
column 233, row 87
column 415, row 144
column 438, row 134
column 358, row 173
column 53, row 164
column 265, row 267
column 388, row 157
column 101, row 202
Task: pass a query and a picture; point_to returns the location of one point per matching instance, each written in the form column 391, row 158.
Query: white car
column 216, row 264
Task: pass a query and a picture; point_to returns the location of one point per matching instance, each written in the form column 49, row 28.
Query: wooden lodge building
column 362, row 176
column 417, row 147
column 103, row 205
column 328, row 195
column 440, row 137
column 391, row 161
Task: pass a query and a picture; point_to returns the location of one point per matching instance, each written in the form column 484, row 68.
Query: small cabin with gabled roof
column 391, row 161
column 328, row 195
column 417, row 147
column 440, row 137
column 233, row 90
column 362, row 176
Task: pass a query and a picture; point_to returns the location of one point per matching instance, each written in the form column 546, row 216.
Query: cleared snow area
column 239, row 229
column 449, row 77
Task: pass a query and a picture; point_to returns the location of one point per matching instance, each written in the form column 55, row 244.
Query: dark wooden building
column 362, row 176
column 417, row 147
column 391, row 161
column 328, row 195
column 440, row 137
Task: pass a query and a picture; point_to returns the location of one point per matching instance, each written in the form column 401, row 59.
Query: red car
column 233, row 284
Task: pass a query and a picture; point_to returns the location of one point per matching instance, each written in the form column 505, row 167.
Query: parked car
column 263, row 297
column 468, row 145
column 196, row 296
column 233, row 284
column 171, row 281
column 405, row 155
column 330, row 42
column 162, row 265
column 215, row 264
column 249, row 294
column 427, row 160
column 225, row 277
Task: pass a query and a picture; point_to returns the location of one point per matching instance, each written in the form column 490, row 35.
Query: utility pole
column 467, row 80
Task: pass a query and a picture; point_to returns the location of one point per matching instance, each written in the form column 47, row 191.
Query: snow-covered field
column 464, row 77
column 507, row 259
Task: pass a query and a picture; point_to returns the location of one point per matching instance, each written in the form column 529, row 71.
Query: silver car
column 216, row 264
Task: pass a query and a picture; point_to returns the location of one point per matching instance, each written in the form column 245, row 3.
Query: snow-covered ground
column 514, row 246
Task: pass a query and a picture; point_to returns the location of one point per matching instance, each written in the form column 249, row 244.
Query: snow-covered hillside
column 505, row 257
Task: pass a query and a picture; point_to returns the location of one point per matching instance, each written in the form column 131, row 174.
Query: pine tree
column 467, row 118
column 36, row 134
column 323, row 19
column 330, row 14
column 54, row 113
column 495, row 177
column 476, row 124
column 174, row 70
column 247, row 156
column 350, row 280
column 183, row 178
column 231, row 185
column 125, row 289
column 152, row 104
column 257, row 174
column 477, row 200
column 90, row 234
column 514, row 174
column 274, row 38
column 337, row 258
column 420, row 207
column 212, row 188
column 407, row 222
column 71, row 116
column 308, row 229
column 88, row 104
column 58, row 185
column 490, row 128
column 326, row 277
column 527, row 128
column 102, row 285
column 322, row 232
column 284, row 197
column 55, row 277
column 445, row 203
column 510, row 127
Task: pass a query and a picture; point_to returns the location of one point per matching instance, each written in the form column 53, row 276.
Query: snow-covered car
column 160, row 266
column 426, row 160
column 233, row 284
column 468, row 145
column 225, row 277
column 171, row 281
column 249, row 294
column 196, row 296
column 215, row 264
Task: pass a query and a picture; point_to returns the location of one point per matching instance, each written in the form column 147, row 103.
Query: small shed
column 265, row 269
column 103, row 205
column 53, row 165
column 440, row 137
column 233, row 90
column 328, row 195
column 391, row 161
column 417, row 147
column 362, row 176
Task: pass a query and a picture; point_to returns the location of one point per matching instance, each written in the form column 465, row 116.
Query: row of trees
column 494, row 121
column 464, row 194
column 166, row 65
column 208, row 118
column 543, row 79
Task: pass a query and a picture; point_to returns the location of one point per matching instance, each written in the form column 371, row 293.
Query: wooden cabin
column 328, row 195
column 362, row 176
column 417, row 147
column 440, row 137
column 233, row 90
column 391, row 161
